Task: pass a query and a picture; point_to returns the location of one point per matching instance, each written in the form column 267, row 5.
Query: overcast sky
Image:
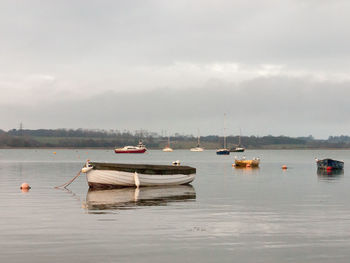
column 273, row 66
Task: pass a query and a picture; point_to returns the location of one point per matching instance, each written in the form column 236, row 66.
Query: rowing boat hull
column 121, row 150
column 113, row 179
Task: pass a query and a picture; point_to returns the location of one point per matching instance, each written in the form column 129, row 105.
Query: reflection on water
column 130, row 197
column 247, row 170
column 251, row 215
column 330, row 175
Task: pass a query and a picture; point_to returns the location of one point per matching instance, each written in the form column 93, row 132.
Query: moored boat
column 247, row 163
column 167, row 148
column 198, row 148
column 114, row 175
column 239, row 147
column 329, row 164
column 140, row 148
column 223, row 151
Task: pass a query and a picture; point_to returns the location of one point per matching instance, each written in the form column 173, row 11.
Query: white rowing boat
column 113, row 175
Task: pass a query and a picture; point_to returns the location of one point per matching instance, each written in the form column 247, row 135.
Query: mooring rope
column 69, row 182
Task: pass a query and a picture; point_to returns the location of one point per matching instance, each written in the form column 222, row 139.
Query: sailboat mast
column 198, row 137
column 224, row 132
column 240, row 134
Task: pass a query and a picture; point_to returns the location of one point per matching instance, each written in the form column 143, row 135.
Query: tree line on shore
column 83, row 138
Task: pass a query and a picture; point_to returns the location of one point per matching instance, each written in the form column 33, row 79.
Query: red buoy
column 329, row 168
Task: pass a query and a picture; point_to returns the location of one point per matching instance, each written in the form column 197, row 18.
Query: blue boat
column 329, row 164
column 223, row 152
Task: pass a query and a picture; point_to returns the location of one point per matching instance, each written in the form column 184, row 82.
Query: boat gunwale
column 144, row 168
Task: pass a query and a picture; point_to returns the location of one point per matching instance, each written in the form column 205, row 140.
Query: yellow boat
column 247, row 163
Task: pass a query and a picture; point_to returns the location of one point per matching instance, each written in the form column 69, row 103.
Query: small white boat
column 113, row 175
column 167, row 148
column 197, row 148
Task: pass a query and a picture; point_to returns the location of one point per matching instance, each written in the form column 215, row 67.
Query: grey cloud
column 294, row 107
column 176, row 65
column 53, row 33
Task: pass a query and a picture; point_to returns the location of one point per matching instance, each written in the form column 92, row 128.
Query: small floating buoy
column 284, row 167
column 233, row 165
column 25, row 186
column 329, row 168
column 248, row 165
column 177, row 162
column 54, row 152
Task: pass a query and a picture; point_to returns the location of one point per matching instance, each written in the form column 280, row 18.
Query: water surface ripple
column 226, row 215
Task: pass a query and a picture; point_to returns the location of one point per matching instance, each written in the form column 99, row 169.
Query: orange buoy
column 248, row 165
column 54, row 152
column 284, row 167
column 25, row 186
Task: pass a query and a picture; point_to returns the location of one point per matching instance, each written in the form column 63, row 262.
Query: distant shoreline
column 100, row 139
column 159, row 149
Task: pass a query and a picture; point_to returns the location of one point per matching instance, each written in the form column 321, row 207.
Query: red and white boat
column 140, row 148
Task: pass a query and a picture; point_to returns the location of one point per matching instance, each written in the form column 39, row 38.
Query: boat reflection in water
column 131, row 198
column 330, row 174
column 246, row 170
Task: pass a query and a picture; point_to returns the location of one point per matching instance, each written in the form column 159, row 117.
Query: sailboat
column 167, row 148
column 239, row 147
column 197, row 148
column 223, row 151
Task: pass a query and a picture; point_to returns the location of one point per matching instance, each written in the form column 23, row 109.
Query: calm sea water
column 228, row 214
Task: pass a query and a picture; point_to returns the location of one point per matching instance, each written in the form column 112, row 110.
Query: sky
column 274, row 67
